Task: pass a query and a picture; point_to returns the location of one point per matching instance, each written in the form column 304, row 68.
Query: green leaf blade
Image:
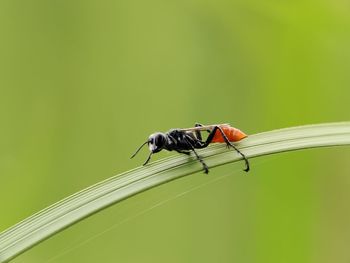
column 76, row 207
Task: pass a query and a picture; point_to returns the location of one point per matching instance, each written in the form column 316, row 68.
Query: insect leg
column 205, row 167
column 184, row 152
column 228, row 143
column 198, row 133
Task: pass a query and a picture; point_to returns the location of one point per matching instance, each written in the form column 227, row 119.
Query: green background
column 83, row 83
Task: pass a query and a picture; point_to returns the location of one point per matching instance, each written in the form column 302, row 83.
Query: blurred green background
column 83, row 83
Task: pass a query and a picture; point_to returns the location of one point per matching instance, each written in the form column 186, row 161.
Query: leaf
column 55, row 218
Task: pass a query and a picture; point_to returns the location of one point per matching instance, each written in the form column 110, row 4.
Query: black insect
column 187, row 140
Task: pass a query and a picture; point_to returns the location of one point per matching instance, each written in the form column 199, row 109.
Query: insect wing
column 203, row 128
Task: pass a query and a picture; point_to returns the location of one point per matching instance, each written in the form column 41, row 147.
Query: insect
column 187, row 140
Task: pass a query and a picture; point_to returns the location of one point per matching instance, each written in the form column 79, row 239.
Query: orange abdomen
column 233, row 134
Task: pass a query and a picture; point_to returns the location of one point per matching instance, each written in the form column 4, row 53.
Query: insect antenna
column 149, row 158
column 138, row 149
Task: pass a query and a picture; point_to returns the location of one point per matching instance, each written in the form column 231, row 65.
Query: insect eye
column 151, row 140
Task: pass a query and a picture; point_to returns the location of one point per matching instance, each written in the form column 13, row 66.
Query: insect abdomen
column 233, row 134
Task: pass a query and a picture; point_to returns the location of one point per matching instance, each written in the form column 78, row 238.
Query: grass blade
column 76, row 207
